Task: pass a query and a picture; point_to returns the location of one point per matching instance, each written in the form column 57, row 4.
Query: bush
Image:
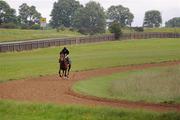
column 115, row 28
column 8, row 25
column 83, row 31
column 57, row 29
column 24, row 26
column 138, row 29
column 35, row 27
column 62, row 28
column 71, row 29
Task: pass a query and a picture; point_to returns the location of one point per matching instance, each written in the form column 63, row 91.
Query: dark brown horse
column 65, row 66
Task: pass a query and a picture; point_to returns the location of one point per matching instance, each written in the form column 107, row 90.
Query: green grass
column 18, row 34
column 171, row 30
column 17, row 65
column 27, row 111
column 160, row 85
column 163, row 29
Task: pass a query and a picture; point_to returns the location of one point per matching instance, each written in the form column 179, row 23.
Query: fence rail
column 43, row 43
column 149, row 35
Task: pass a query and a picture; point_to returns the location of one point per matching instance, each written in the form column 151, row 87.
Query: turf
column 17, row 34
column 170, row 30
column 27, row 111
column 17, row 65
column 159, row 85
column 160, row 30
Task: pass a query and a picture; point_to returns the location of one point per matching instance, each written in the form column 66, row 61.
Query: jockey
column 65, row 51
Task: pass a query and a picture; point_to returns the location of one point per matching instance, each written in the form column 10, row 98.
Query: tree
column 7, row 14
column 152, row 19
column 23, row 13
column 28, row 14
column 174, row 22
column 115, row 28
column 63, row 12
column 90, row 19
column 120, row 14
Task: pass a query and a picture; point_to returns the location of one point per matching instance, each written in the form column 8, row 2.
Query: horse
column 65, row 66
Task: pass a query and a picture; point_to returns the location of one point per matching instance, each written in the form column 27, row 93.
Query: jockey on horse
column 67, row 65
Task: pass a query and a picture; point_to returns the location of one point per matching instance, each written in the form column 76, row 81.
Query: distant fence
column 44, row 43
column 149, row 35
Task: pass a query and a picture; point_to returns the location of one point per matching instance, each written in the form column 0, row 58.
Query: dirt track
column 52, row 89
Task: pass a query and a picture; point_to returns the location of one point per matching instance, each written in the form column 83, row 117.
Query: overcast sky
column 168, row 8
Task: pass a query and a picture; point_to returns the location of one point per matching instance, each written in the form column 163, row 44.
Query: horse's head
column 63, row 61
column 62, row 56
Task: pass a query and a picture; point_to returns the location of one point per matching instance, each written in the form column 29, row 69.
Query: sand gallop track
column 52, row 89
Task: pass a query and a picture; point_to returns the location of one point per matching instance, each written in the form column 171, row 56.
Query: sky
column 168, row 8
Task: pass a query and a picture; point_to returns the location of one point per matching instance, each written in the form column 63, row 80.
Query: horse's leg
column 65, row 73
column 60, row 73
column 69, row 67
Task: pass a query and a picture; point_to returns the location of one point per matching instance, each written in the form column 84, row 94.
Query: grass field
column 27, row 111
column 17, row 65
column 17, row 34
column 163, row 29
column 160, row 85
column 171, row 30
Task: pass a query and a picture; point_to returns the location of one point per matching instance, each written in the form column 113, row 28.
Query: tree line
column 28, row 16
column 88, row 19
